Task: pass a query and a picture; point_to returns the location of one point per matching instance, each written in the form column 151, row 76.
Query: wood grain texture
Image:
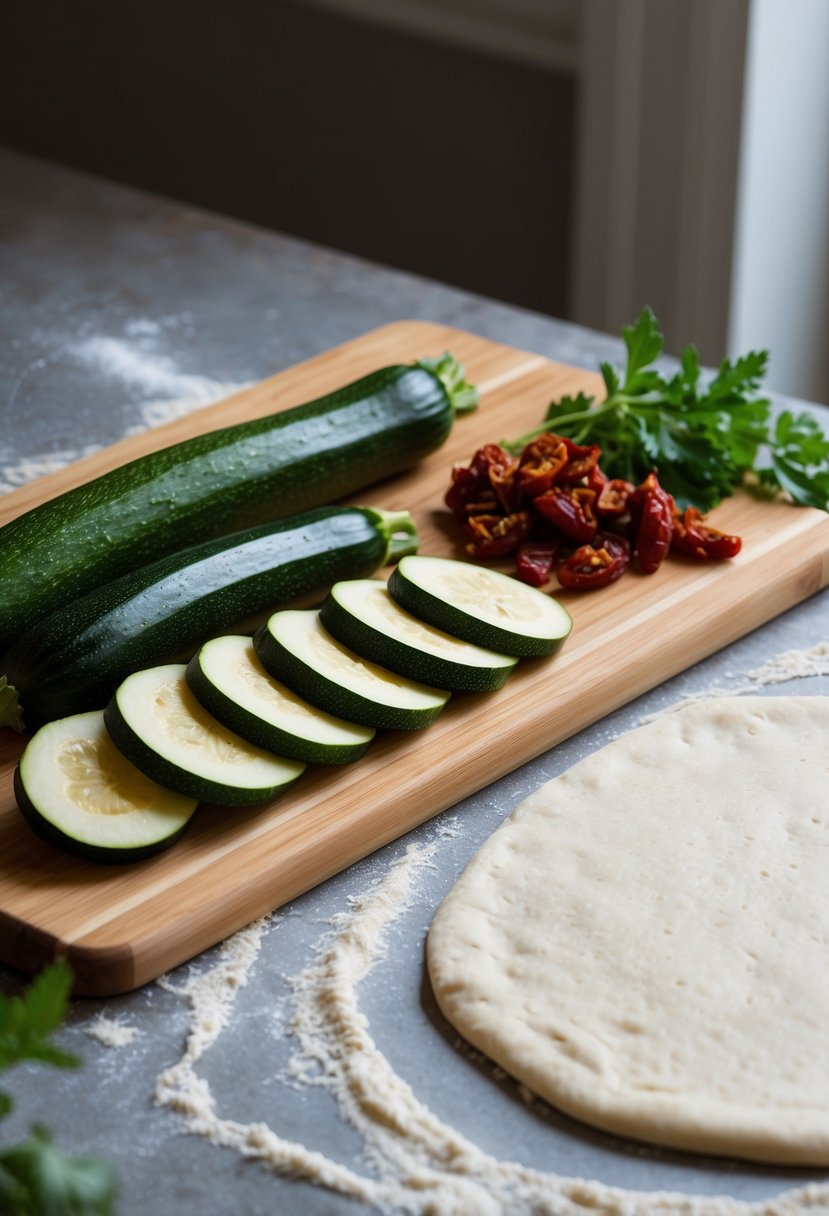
column 122, row 926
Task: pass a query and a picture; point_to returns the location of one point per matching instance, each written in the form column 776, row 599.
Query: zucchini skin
column 332, row 697
column 404, row 658
column 172, row 777
column 52, row 834
column 75, row 658
column 264, row 734
column 215, row 484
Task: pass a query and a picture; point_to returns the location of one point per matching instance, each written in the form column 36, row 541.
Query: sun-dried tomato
column 473, row 490
column 596, row 478
column 495, row 535
column 504, row 481
column 540, row 463
column 467, row 495
column 694, row 537
column 571, row 510
column 535, row 561
column 652, row 518
column 580, row 460
column 613, row 498
column 595, row 565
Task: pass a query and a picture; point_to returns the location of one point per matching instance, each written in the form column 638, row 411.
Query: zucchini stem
column 10, row 712
column 462, row 394
column 400, row 532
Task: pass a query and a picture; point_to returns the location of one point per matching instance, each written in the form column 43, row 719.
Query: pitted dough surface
column 645, row 942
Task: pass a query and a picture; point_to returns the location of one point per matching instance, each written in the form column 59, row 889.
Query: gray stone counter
column 118, row 310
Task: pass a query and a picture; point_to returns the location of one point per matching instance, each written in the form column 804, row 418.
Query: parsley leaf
column 27, row 1021
column 35, row 1179
column 704, row 438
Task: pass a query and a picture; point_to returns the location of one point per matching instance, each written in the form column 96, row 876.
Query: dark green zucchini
column 222, row 481
column 73, row 659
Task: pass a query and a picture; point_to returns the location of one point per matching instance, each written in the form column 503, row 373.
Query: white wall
column 780, row 280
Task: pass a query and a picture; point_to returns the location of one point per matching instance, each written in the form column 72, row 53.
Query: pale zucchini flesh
column 362, row 615
column 228, row 679
column 159, row 725
column 480, row 605
column 295, row 648
column 76, row 790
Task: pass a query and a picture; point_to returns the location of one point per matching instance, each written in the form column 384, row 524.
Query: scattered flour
column 423, row 1166
column 171, row 393
column 167, row 393
column 20, row 472
column 111, row 1032
column 791, row 665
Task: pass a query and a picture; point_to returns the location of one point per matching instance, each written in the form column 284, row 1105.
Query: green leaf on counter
column 27, row 1021
column 37, row 1180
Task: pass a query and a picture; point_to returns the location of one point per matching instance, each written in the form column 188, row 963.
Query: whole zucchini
column 73, row 659
column 222, row 481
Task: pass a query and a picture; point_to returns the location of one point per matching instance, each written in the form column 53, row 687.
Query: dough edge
column 706, row 1125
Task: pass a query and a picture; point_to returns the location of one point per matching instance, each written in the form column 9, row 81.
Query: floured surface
column 418, row 1165
column 643, row 943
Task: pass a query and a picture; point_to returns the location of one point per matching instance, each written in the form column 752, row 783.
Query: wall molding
column 659, row 127
column 537, row 32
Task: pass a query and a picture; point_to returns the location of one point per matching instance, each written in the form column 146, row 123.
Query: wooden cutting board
column 122, row 926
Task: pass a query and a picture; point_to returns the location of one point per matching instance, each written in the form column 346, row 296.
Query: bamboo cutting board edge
column 126, row 942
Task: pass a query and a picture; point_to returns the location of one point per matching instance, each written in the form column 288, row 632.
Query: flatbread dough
column 644, row 941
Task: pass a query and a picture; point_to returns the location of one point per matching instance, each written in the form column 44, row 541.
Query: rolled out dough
column 645, row 942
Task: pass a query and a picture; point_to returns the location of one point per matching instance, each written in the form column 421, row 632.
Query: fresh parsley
column 704, row 436
column 35, row 1179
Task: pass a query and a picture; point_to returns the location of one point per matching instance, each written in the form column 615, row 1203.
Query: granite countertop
column 118, row 310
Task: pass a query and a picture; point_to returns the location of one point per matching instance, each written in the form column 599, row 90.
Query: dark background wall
column 451, row 163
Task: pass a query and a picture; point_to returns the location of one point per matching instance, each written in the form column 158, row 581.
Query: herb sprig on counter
column 704, row 436
column 36, row 1179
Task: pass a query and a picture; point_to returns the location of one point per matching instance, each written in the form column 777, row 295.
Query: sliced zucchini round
column 159, row 725
column 361, row 614
column 230, row 682
column 480, row 605
column 76, row 790
column 294, row 647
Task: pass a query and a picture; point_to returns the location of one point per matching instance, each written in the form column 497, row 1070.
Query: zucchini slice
column 76, row 790
column 159, row 725
column 361, row 614
column 229, row 681
column 295, row 648
column 480, row 605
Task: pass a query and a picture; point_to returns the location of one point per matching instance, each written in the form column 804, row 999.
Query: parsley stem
column 592, row 412
column 615, row 403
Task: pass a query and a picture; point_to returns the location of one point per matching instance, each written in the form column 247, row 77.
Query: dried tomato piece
column 652, row 516
column 540, row 463
column 595, row 565
column 495, row 535
column 596, row 478
column 490, row 456
column 613, row 498
column 694, row 537
column 472, row 491
column 580, row 460
column 571, row 510
column 504, row 481
column 535, row 561
column 467, row 496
